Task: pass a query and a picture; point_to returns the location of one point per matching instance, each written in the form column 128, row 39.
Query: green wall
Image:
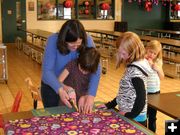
column 137, row 17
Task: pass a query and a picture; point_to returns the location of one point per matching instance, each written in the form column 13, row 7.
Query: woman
column 62, row 48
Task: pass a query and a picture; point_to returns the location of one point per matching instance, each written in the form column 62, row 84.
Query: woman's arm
column 94, row 82
column 48, row 66
column 95, row 77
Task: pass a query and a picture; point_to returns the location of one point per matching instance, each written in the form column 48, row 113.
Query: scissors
column 73, row 104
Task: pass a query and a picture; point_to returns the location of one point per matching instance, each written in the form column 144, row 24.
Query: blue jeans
column 49, row 97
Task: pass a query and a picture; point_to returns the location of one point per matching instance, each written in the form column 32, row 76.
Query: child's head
column 130, row 48
column 154, row 50
column 88, row 60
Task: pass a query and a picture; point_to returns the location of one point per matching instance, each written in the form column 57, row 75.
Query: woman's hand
column 85, row 104
column 64, row 97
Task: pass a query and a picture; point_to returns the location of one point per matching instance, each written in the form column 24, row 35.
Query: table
column 160, row 32
column 167, row 103
column 164, row 41
column 40, row 33
column 105, row 32
column 106, row 37
column 55, row 121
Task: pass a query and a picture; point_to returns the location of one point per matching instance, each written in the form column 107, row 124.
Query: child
column 132, row 97
column 77, row 73
column 154, row 56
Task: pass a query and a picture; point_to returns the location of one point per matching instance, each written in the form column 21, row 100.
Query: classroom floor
column 21, row 66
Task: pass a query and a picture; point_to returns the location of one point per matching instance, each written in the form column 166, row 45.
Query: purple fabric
column 99, row 122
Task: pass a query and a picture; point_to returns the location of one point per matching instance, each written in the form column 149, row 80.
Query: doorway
column 13, row 20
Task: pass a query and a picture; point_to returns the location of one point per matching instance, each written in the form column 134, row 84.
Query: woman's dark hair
column 70, row 31
column 89, row 59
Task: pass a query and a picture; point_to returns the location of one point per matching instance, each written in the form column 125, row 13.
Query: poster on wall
column 31, row 6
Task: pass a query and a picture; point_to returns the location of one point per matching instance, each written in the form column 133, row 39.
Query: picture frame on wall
column 31, row 6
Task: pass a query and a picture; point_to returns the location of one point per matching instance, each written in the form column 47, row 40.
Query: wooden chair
column 35, row 92
column 15, row 106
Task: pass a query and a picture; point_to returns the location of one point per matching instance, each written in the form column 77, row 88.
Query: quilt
column 100, row 122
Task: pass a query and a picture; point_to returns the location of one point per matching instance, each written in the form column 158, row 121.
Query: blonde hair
column 132, row 44
column 157, row 47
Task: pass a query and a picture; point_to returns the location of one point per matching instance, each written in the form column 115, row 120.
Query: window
column 66, row 9
column 75, row 9
column 86, row 9
column 46, row 9
column 105, row 9
column 175, row 10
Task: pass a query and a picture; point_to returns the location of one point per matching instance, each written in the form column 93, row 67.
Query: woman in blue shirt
column 62, row 48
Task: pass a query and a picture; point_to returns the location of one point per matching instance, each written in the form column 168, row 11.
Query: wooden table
column 106, row 37
column 105, row 32
column 40, row 33
column 20, row 116
column 167, row 103
column 160, row 32
column 164, row 41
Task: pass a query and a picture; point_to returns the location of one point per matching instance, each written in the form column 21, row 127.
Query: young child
column 132, row 96
column 154, row 57
column 77, row 73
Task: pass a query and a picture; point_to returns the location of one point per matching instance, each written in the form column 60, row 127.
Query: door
column 13, row 20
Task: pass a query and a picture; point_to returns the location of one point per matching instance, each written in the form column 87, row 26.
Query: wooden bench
column 173, row 50
column 35, row 51
column 35, row 47
column 110, row 43
column 173, row 60
column 104, row 63
column 104, row 59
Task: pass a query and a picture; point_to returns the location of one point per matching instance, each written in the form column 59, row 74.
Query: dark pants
column 152, row 118
column 49, row 97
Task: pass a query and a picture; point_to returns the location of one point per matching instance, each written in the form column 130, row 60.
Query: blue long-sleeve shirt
column 54, row 63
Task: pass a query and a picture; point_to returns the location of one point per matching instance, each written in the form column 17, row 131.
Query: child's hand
column 89, row 102
column 81, row 104
column 71, row 93
column 85, row 104
column 150, row 61
column 72, row 96
column 122, row 113
column 155, row 67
